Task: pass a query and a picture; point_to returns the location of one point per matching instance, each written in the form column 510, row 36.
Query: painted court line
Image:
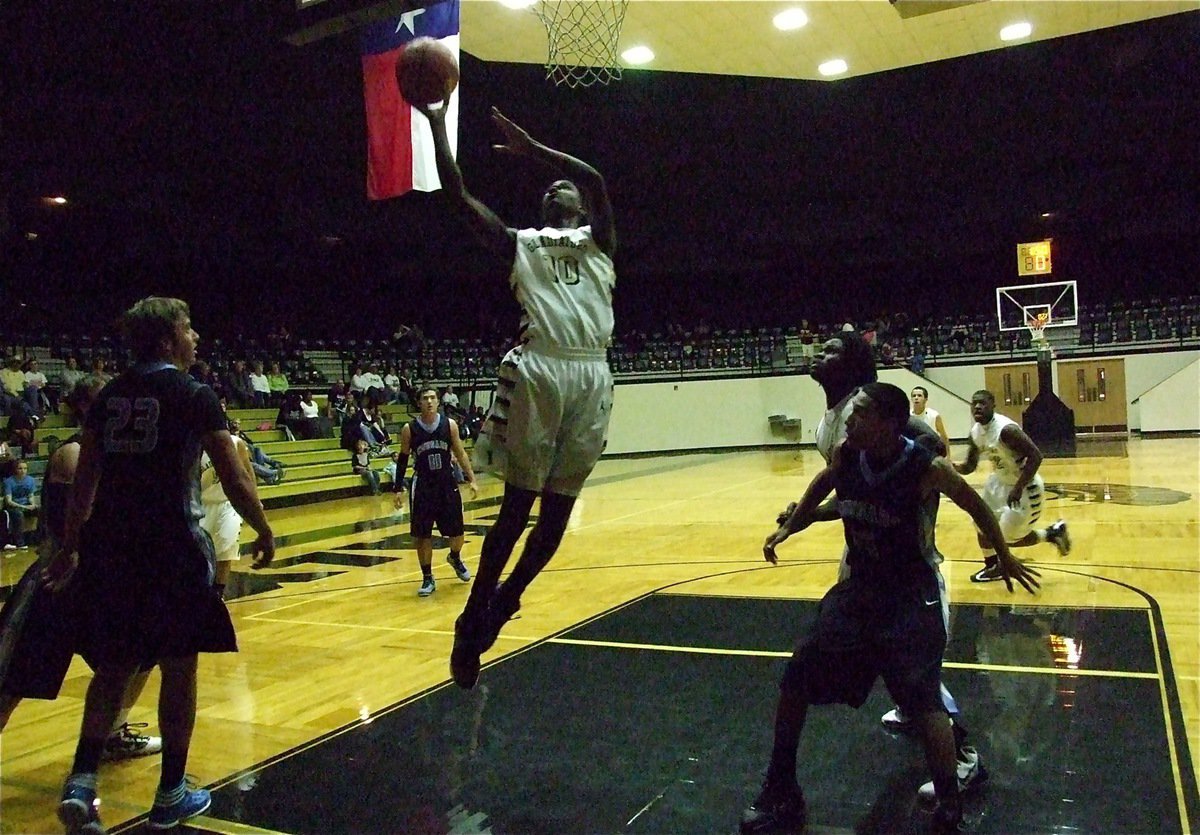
column 998, row 668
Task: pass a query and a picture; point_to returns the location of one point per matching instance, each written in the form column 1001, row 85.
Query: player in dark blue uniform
column 884, row 618
column 143, row 567
column 432, row 438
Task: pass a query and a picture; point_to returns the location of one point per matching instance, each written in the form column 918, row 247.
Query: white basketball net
column 1037, row 329
column 582, row 36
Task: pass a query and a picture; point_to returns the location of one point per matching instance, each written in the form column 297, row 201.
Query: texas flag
column 399, row 142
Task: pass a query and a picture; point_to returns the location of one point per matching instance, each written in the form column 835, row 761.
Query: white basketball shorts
column 549, row 420
column 223, row 525
column 1015, row 522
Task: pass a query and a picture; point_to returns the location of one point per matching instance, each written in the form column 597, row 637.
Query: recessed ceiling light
column 1015, row 31
column 518, row 4
column 835, row 67
column 638, row 55
column 790, row 19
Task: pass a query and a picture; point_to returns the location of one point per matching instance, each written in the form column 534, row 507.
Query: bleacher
column 315, row 470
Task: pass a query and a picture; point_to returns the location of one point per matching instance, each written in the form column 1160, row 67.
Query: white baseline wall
column 732, row 412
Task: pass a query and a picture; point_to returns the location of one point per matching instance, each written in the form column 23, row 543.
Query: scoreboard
column 1033, row 258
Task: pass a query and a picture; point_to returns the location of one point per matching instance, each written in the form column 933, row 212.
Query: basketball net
column 582, row 36
column 1037, row 330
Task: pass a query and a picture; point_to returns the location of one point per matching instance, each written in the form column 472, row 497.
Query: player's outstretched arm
column 242, row 493
column 943, row 478
column 804, row 514
column 967, row 467
column 588, row 179
column 492, row 231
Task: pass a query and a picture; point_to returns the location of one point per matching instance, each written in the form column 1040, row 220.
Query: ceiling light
column 1015, row 31
column 790, row 19
column 518, row 4
column 835, row 67
column 638, row 55
column 57, row 200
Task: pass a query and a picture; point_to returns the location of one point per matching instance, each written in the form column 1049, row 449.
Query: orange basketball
column 426, row 71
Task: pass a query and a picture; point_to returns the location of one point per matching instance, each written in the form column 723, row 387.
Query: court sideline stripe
column 223, row 827
column 762, row 653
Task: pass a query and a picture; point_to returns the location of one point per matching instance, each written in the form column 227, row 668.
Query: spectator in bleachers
column 358, row 380
column 20, row 498
column 374, row 386
column 278, row 382
column 391, row 381
column 450, row 402
column 808, row 343
column 100, row 368
column 292, row 421
column 260, row 386
column 360, row 463
column 337, row 403
column 917, row 364
column 35, row 378
column 70, row 376
column 18, row 397
column 373, row 428
column 264, row 466
column 238, row 389
column 20, row 432
column 318, row 424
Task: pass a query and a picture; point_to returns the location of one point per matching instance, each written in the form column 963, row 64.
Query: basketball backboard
column 1017, row 304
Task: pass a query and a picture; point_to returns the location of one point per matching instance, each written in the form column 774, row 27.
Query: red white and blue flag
column 399, row 143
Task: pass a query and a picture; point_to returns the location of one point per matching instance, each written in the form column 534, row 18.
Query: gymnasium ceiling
column 737, row 37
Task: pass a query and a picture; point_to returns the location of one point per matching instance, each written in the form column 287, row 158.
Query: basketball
column 426, row 71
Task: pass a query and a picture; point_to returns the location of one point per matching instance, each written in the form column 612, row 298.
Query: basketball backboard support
column 1017, row 304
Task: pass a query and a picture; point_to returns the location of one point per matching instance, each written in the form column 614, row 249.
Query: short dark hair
column 923, row 391
column 891, row 401
column 421, row 389
column 984, row 394
column 149, row 322
column 858, row 358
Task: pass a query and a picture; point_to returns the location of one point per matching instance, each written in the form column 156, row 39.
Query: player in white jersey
column 1014, row 490
column 549, row 420
column 221, row 522
column 919, row 397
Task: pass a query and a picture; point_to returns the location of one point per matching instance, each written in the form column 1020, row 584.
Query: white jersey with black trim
column 986, row 438
column 929, row 416
column 564, row 284
column 211, row 490
column 832, row 427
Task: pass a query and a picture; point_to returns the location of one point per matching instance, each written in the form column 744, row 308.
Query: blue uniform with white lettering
column 885, row 619
column 434, row 497
column 145, row 571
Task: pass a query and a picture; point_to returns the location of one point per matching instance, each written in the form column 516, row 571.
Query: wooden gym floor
column 635, row 690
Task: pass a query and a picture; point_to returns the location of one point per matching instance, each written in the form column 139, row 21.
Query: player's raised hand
column 434, row 112
column 516, row 139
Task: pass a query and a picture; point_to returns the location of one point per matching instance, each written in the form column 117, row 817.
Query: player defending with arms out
column 432, row 438
column 883, row 618
column 548, row 423
column 1014, row 490
column 144, row 568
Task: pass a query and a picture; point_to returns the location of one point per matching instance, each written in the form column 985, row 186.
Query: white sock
column 1041, row 534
